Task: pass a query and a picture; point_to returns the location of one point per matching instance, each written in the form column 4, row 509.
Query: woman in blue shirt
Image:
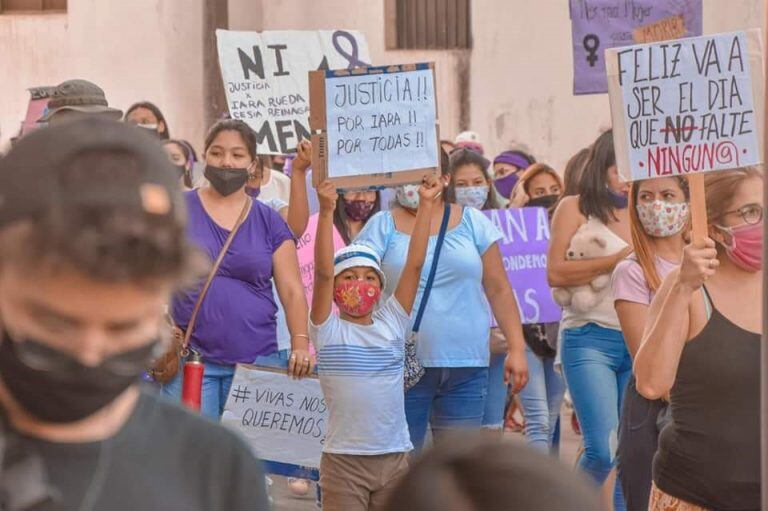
column 453, row 339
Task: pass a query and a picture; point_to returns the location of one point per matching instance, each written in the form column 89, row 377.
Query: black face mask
column 72, row 391
column 545, row 201
column 181, row 169
column 226, row 181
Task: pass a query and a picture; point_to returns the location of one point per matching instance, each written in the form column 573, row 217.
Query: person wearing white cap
column 361, row 357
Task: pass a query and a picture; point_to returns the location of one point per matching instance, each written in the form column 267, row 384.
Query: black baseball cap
column 33, row 175
column 79, row 96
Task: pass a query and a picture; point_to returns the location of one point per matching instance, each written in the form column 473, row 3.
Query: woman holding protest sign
column 540, row 186
column 453, row 350
column 659, row 214
column 595, row 360
column 235, row 318
column 701, row 346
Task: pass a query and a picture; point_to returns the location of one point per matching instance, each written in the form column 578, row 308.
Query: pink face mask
column 746, row 247
column 356, row 297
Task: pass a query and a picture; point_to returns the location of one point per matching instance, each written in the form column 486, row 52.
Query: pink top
column 628, row 281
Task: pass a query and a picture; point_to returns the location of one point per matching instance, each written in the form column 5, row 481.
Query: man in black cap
column 92, row 242
column 78, row 98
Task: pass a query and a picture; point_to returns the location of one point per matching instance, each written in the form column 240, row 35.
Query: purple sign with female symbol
column 524, row 245
column 597, row 25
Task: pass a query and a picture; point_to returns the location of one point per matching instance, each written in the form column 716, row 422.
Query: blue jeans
column 496, row 398
column 597, row 366
column 541, row 400
column 446, row 398
column 217, row 379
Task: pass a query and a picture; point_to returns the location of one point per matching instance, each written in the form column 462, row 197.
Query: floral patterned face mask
column 408, row 196
column 356, row 297
column 663, row 219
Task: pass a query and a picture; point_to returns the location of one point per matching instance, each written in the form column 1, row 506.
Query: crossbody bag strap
column 214, row 269
column 433, row 268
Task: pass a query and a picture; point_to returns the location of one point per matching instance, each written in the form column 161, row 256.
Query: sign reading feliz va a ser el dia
column 686, row 106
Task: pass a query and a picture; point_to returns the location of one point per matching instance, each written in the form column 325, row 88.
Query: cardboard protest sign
column 597, row 25
column 524, row 248
column 377, row 125
column 687, row 106
column 305, row 250
column 283, row 419
column 265, row 78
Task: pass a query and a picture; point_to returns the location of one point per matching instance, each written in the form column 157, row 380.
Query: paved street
column 284, row 500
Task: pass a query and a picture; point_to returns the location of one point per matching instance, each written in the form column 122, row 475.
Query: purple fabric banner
column 524, row 247
column 600, row 24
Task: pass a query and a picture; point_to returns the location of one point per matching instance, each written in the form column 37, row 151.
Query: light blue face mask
column 472, row 196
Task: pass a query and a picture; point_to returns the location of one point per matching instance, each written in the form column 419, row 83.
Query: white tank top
column 604, row 313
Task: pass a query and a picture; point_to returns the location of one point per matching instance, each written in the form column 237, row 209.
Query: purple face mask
column 505, row 185
column 252, row 192
column 358, row 210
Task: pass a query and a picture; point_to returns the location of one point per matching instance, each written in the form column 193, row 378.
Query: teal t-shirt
column 454, row 330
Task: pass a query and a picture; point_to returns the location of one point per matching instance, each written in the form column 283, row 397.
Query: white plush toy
column 586, row 243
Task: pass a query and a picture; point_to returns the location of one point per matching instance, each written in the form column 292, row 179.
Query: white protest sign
column 265, row 78
column 381, row 121
column 283, row 419
column 686, row 106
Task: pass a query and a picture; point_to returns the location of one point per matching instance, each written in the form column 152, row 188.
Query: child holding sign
column 361, row 356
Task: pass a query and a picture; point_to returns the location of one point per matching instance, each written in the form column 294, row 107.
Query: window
column 428, row 24
column 31, row 6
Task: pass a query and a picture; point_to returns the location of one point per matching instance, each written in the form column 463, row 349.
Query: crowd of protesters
column 107, row 233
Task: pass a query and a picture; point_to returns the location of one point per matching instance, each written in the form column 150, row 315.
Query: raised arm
column 561, row 272
column 298, row 206
column 668, row 326
column 408, row 285
column 285, row 264
column 322, row 294
column 505, row 310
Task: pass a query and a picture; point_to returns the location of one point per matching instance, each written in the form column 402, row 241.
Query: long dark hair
column 460, row 157
column 340, row 218
column 594, row 196
column 573, row 170
column 165, row 135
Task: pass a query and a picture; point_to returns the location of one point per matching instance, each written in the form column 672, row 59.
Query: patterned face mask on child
column 356, row 297
column 663, row 219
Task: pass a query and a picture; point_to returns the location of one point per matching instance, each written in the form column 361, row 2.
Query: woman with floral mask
column 353, row 209
column 659, row 215
column 453, row 339
column 701, row 347
column 595, row 360
column 236, row 319
column 470, row 185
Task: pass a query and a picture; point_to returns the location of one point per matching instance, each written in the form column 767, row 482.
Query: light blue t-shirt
column 454, row 330
column 361, row 374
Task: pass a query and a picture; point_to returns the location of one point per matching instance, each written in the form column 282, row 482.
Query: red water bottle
column 192, row 388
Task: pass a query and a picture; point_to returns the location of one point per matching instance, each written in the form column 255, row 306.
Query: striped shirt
column 361, row 374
